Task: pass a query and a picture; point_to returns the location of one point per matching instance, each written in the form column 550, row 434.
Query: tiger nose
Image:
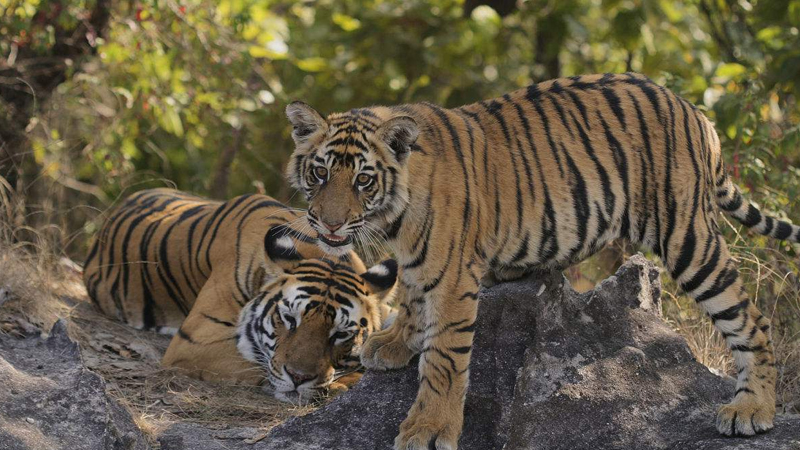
column 299, row 377
column 333, row 226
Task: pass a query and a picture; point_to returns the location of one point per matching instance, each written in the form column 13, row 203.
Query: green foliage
column 187, row 92
column 32, row 24
column 177, row 84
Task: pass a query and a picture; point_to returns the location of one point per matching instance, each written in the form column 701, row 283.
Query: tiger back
column 538, row 178
column 157, row 250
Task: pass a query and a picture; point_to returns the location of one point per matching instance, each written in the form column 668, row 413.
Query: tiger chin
column 311, row 322
column 539, row 178
column 248, row 296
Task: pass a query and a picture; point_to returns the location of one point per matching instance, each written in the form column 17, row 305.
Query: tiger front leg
column 394, row 347
column 436, row 417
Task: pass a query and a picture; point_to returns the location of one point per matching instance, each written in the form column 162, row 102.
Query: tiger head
column 352, row 169
column 311, row 320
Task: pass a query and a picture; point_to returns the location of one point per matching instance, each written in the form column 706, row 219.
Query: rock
column 49, row 400
column 551, row 369
column 186, row 436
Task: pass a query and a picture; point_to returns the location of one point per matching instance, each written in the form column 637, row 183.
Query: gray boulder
column 551, row 369
column 49, row 400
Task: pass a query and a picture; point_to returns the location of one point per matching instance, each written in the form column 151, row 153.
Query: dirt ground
column 129, row 360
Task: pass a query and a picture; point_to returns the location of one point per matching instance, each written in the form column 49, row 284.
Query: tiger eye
column 363, row 179
column 321, row 173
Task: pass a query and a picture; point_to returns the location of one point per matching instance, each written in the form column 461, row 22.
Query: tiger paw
column 429, row 429
column 386, row 350
column 745, row 416
column 489, row 280
column 499, row 275
column 335, row 389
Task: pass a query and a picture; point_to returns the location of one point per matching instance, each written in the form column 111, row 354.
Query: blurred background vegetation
column 102, row 98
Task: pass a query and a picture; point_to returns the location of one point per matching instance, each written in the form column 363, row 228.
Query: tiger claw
column 745, row 418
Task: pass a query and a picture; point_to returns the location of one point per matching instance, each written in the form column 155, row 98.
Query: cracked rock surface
column 551, row 369
column 49, row 400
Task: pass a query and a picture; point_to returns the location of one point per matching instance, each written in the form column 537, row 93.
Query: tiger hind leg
column 709, row 275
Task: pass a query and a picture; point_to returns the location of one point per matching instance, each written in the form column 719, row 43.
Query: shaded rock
column 50, row 401
column 784, row 436
column 551, row 369
column 193, row 436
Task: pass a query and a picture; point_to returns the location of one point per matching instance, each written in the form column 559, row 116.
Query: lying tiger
column 239, row 276
column 538, row 178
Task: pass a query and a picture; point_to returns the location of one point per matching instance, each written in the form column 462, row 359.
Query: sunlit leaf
column 209, row 98
column 346, row 22
column 731, row 132
column 484, row 14
column 129, row 149
column 730, row 70
column 39, row 151
column 266, row 97
column 257, row 51
column 769, row 33
column 314, row 64
column 170, row 120
column 251, row 31
column 247, row 104
column 274, row 49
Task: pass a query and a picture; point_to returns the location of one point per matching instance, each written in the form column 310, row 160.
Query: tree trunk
column 219, row 187
column 549, row 41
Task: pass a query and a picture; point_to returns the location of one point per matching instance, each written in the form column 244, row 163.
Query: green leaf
column 731, row 70
column 248, row 104
column 211, row 99
column 794, row 13
column 485, row 15
column 314, row 64
column 257, row 51
column 346, row 22
column 162, row 67
column 274, row 49
column 128, row 148
column 170, row 120
column 769, row 33
column 731, row 131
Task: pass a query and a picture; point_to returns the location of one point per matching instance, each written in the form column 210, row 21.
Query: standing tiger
column 240, row 274
column 541, row 177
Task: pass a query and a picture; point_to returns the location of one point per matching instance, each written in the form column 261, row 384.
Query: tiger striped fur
column 215, row 274
column 538, row 178
column 313, row 320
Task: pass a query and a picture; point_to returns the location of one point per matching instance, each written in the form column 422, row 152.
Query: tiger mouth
column 334, row 240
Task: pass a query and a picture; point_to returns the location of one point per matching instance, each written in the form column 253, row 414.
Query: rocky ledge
column 551, row 369
column 49, row 400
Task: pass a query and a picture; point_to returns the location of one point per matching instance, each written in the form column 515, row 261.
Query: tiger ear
column 280, row 246
column 399, row 134
column 305, row 120
column 381, row 278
